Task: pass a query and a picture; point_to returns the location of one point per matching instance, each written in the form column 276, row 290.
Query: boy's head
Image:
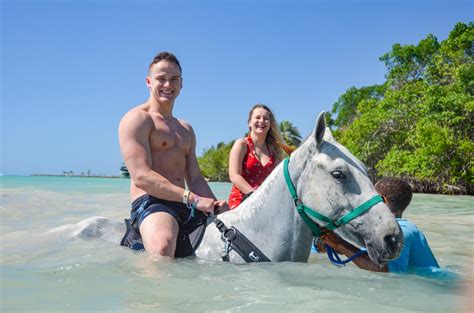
column 396, row 193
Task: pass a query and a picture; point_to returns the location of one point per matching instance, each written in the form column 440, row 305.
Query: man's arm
column 134, row 131
column 196, row 182
column 343, row 247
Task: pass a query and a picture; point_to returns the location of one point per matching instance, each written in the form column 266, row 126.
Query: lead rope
column 336, row 260
column 334, row 257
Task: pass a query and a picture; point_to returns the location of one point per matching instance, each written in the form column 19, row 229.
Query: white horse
column 328, row 179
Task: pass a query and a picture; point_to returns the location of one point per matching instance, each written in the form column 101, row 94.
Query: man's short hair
column 396, row 192
column 167, row 56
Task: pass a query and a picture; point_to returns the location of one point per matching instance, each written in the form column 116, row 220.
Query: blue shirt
column 416, row 254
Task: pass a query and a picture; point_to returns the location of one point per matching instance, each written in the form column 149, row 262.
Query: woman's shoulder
column 240, row 144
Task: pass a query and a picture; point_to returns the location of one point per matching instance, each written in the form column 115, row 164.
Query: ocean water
column 43, row 271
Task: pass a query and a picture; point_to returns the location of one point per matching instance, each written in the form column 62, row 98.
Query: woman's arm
column 236, row 158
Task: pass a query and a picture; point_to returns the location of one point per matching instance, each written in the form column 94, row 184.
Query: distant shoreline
column 81, row 176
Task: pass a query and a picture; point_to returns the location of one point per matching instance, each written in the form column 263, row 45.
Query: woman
column 253, row 158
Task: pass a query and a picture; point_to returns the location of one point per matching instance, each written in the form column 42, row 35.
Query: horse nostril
column 391, row 244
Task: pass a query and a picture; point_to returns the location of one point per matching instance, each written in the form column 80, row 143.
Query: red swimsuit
column 252, row 171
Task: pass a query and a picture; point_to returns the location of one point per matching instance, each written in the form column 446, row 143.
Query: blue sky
column 71, row 69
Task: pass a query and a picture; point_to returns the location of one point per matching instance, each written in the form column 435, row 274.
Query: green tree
column 214, row 162
column 408, row 63
column 419, row 126
column 290, row 134
column 346, row 105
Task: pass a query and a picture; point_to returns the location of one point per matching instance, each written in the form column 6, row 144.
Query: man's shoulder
column 184, row 124
column 139, row 111
column 403, row 222
column 138, row 116
column 408, row 227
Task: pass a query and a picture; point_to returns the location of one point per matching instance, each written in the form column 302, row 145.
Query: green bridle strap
column 361, row 209
column 304, row 211
column 289, row 183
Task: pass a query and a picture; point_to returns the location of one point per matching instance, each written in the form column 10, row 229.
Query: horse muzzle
column 386, row 249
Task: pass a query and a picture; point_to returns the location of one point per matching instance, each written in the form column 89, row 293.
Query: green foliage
column 290, row 134
column 408, row 63
column 418, row 125
column 214, row 163
column 346, row 105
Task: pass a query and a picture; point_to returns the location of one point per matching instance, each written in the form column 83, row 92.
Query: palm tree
column 290, row 134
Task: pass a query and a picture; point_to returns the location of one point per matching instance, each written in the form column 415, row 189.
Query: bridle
column 308, row 214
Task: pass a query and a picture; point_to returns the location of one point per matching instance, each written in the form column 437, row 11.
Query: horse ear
column 328, row 135
column 320, row 129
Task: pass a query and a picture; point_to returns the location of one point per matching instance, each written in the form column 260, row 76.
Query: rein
column 307, row 213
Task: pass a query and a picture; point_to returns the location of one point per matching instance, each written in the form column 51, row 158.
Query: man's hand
column 332, row 240
column 319, row 244
column 205, row 205
column 220, row 206
column 209, row 205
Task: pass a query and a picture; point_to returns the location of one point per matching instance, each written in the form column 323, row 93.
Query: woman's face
column 260, row 121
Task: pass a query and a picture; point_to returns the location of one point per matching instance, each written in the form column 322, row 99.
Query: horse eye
column 338, row 175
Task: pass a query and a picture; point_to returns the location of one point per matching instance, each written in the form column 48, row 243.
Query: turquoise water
column 44, row 271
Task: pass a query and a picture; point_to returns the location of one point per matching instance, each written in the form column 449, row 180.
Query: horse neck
column 272, row 198
column 268, row 202
column 271, row 210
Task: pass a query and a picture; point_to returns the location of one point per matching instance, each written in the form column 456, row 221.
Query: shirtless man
column 170, row 198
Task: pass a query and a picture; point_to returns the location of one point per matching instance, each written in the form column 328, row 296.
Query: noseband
column 305, row 212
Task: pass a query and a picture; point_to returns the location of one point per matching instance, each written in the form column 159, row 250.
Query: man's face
column 164, row 81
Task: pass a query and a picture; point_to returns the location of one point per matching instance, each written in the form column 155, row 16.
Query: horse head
column 331, row 181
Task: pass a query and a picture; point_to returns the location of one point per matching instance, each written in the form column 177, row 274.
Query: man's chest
column 170, row 137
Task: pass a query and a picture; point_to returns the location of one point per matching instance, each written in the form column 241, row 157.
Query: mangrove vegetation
column 417, row 125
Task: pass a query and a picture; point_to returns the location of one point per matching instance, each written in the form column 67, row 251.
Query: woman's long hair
column 274, row 141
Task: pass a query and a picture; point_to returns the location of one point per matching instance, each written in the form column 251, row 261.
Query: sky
column 71, row 69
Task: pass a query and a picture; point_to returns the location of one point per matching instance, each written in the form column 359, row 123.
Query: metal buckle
column 254, row 257
column 229, row 234
column 336, row 223
column 225, row 252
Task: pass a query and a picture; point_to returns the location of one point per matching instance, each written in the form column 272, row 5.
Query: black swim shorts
column 191, row 228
